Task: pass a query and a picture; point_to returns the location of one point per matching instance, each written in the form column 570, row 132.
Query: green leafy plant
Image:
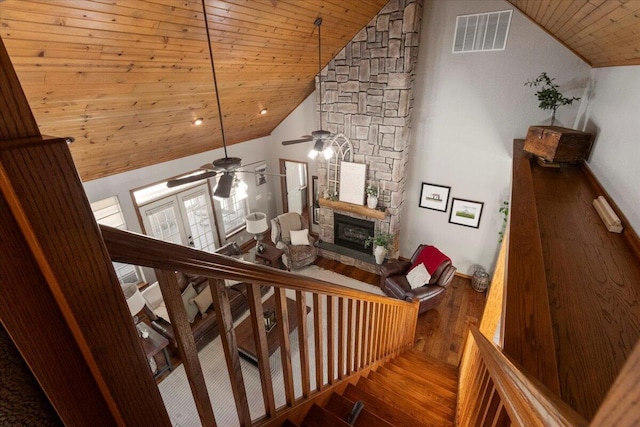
column 504, row 210
column 548, row 94
column 371, row 191
column 382, row 239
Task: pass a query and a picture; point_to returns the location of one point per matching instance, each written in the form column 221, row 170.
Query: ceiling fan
column 320, row 135
column 226, row 166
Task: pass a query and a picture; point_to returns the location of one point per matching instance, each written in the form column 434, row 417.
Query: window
column 234, row 209
column 107, row 212
column 482, row 32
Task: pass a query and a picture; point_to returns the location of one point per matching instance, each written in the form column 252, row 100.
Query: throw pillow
column 161, row 311
column 203, row 300
column 418, row 276
column 300, row 237
column 191, row 309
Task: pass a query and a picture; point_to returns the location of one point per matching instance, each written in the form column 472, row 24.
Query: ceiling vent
column 482, row 32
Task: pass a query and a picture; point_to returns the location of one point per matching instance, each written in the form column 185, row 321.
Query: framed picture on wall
column 316, row 198
column 261, row 177
column 434, row 197
column 466, row 212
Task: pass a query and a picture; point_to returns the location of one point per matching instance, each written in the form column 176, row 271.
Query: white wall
column 261, row 199
column 468, row 109
column 302, row 121
column 612, row 114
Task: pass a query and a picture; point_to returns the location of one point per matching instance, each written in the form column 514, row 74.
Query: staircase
column 412, row 389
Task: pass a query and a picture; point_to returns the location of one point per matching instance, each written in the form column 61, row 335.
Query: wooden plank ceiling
column 602, row 32
column 127, row 77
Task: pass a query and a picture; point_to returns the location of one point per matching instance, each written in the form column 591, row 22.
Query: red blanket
column 431, row 257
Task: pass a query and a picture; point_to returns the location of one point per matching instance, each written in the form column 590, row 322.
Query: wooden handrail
column 527, row 401
column 385, row 326
column 133, row 248
column 528, row 332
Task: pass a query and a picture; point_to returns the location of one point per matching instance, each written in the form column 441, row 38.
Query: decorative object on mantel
column 435, row 197
column 382, row 243
column 352, row 180
column 607, row 215
column 372, row 196
column 556, row 145
column 549, row 96
column 466, row 212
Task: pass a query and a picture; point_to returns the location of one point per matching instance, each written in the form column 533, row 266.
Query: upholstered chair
column 290, row 233
column 394, row 282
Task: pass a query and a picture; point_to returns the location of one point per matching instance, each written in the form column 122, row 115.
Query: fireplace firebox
column 352, row 232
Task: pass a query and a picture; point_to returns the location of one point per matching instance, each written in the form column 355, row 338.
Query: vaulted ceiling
column 603, row 33
column 126, row 78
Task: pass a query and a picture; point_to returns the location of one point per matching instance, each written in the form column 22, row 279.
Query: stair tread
column 320, row 417
column 434, row 375
column 431, row 360
column 342, row 406
column 409, row 379
column 418, row 411
column 429, row 380
column 416, row 395
column 389, row 412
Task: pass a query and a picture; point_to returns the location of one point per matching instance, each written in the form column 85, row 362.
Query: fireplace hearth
column 352, row 232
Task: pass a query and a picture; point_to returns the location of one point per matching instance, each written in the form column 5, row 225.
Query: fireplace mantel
column 350, row 207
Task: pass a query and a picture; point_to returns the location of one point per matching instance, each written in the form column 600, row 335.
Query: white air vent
column 482, row 32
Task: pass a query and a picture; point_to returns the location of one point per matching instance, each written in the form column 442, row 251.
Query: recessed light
column 263, row 111
column 198, row 121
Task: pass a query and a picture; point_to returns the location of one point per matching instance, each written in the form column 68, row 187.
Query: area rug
column 333, row 277
column 176, row 393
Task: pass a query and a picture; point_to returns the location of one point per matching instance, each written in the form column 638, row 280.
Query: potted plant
column 382, row 243
column 548, row 94
column 372, row 196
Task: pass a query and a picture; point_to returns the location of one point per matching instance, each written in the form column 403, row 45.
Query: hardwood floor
column 441, row 332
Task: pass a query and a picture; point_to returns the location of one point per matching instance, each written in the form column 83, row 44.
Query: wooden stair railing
column 494, row 390
column 383, row 326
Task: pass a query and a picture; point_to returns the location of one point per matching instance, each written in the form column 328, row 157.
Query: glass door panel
column 197, row 215
column 162, row 221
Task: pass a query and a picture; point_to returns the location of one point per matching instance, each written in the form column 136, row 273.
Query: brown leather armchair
column 393, row 282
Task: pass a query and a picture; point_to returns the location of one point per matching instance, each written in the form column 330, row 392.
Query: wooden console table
column 270, row 255
column 244, row 331
column 153, row 344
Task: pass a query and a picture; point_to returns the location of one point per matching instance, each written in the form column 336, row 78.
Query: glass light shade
column 327, row 153
column 256, row 223
column 135, row 300
column 313, row 154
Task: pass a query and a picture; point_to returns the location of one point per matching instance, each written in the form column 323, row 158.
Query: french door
column 185, row 218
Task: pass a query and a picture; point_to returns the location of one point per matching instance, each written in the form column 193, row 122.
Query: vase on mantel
column 372, row 202
column 380, row 252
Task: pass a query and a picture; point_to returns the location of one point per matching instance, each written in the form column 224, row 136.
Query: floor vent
column 482, row 32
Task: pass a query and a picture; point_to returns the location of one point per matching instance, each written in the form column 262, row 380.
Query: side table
column 153, row 344
column 270, row 255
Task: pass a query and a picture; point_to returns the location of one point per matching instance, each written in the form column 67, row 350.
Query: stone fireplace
column 352, row 232
column 368, row 98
